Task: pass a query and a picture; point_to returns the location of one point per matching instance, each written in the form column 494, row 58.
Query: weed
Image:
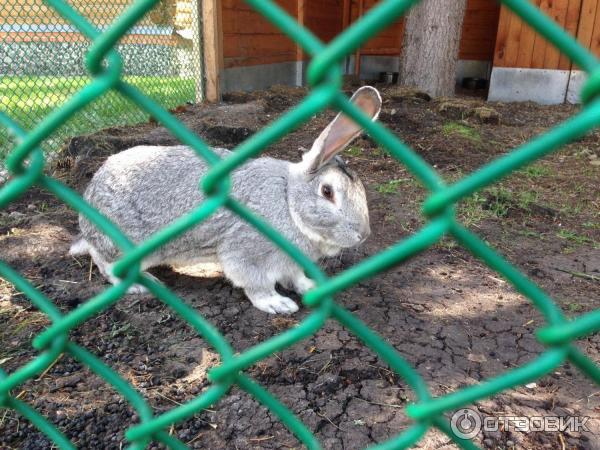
column 390, row 187
column 578, row 239
column 592, row 225
column 532, row 234
column 526, row 198
column 536, row 171
column 389, row 218
column 459, row 129
column 573, row 210
column 377, row 152
column 471, row 209
column 371, row 152
column 500, row 201
column 494, row 202
column 447, row 244
column 354, row 151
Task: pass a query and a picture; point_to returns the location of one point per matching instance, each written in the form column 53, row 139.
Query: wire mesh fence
column 42, row 63
column 26, row 164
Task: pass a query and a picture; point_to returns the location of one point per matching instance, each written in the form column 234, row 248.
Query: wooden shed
column 256, row 54
column 495, row 45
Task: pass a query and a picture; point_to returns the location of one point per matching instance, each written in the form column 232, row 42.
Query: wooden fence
column 518, row 45
column 249, row 39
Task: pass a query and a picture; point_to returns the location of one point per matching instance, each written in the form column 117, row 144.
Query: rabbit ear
column 342, row 130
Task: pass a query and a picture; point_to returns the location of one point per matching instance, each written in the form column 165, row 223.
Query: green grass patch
column 459, row 129
column 576, row 238
column 471, row 210
column 354, row 151
column 378, row 152
column 27, row 100
column 370, row 152
column 391, row 187
column 536, row 171
column 494, row 202
column 575, row 307
column 592, row 225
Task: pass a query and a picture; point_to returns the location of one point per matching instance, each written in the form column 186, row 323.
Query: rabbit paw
column 303, row 284
column 300, row 284
column 275, row 304
column 137, row 289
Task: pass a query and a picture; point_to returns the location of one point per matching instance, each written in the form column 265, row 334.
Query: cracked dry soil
column 456, row 321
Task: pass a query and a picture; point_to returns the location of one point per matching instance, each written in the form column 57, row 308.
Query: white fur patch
column 79, row 247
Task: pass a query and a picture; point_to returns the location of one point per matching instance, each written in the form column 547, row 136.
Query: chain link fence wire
column 42, row 63
column 106, row 68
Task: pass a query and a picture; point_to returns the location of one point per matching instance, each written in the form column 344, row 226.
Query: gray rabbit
column 318, row 204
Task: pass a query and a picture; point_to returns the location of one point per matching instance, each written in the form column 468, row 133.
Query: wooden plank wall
column 479, row 30
column 249, row 39
column 588, row 31
column 386, row 42
column 478, row 34
column 517, row 45
column 324, row 18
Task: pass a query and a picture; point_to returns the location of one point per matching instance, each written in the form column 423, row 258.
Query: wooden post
column 346, row 12
column 213, row 48
column 357, row 54
column 197, row 50
column 300, row 18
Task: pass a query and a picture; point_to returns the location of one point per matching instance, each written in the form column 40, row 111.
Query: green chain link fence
column 26, row 164
column 42, row 63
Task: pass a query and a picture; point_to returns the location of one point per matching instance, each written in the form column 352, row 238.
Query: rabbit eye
column 327, row 192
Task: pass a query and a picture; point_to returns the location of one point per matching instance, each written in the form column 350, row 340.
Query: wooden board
column 518, row 45
column 213, row 48
column 249, row 39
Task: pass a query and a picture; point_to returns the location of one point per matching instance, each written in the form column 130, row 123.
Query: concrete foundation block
column 542, row 86
column 263, row 76
column 576, row 82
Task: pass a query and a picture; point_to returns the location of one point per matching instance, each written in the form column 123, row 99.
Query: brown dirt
column 456, row 321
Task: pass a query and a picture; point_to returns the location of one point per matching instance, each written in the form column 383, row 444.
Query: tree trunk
column 430, row 48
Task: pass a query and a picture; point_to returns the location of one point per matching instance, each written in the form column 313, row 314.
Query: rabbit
column 318, row 203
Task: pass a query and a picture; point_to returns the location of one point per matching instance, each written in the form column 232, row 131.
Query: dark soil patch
column 456, row 321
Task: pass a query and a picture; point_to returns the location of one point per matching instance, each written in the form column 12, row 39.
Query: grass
column 536, row 171
column 370, row 152
column 592, row 225
column 391, row 187
column 353, row 151
column 575, row 307
column 576, row 238
column 27, row 100
column 459, row 129
column 494, row 202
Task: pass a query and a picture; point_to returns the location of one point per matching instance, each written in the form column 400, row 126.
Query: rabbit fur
column 318, row 204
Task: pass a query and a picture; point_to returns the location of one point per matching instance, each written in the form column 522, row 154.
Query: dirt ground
column 455, row 320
